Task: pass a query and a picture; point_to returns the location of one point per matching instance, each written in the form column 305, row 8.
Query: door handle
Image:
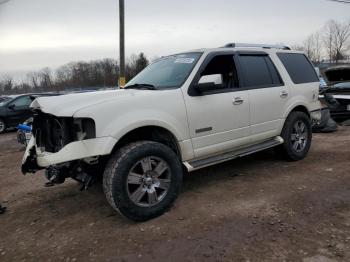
column 284, row 94
column 238, row 101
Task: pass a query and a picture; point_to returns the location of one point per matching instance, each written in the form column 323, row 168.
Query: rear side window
column 259, row 71
column 299, row 68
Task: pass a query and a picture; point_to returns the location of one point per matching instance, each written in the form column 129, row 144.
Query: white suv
column 182, row 113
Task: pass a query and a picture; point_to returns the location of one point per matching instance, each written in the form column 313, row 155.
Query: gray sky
column 39, row 33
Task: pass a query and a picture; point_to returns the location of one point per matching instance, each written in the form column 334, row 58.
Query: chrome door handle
column 238, row 101
column 284, row 94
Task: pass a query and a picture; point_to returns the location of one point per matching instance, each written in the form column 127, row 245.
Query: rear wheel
column 2, row 126
column 142, row 180
column 297, row 135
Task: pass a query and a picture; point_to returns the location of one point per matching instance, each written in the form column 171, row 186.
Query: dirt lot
column 257, row 208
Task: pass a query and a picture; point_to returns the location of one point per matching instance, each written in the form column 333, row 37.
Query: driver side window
column 223, row 65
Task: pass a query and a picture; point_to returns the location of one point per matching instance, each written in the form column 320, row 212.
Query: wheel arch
column 301, row 108
column 151, row 133
column 298, row 108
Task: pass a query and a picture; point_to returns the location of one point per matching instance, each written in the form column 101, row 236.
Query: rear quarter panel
column 299, row 94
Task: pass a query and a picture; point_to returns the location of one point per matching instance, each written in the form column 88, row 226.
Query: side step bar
column 213, row 160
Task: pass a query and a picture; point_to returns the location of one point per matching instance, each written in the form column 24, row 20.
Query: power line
column 341, row 1
column 3, row 1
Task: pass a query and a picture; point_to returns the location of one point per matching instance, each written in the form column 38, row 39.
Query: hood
column 339, row 74
column 68, row 105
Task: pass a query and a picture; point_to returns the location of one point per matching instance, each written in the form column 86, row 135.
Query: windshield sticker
column 184, row 61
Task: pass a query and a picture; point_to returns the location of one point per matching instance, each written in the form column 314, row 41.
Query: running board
column 213, row 160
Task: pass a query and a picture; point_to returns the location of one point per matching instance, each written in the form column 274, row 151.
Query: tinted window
column 225, row 66
column 259, row 71
column 299, row 68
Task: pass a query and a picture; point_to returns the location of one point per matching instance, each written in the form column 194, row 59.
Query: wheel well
column 301, row 109
column 151, row 133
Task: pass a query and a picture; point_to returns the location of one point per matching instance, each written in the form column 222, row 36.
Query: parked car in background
column 338, row 82
column 16, row 110
column 327, row 124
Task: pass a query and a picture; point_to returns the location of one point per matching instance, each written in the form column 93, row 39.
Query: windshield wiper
column 141, row 86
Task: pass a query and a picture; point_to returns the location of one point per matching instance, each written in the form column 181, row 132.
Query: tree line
column 330, row 44
column 74, row 76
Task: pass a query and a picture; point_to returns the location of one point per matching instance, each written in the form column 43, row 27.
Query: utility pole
column 121, row 43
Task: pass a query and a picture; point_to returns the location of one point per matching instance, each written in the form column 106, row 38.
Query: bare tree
column 313, row 47
column 76, row 75
column 329, row 39
column 342, row 34
column 7, row 85
column 46, row 82
column 336, row 35
column 33, row 80
column 297, row 47
column 135, row 65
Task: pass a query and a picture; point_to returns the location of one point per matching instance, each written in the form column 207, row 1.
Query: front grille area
column 53, row 133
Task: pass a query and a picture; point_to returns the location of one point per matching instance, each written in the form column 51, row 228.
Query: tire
column 2, row 126
column 296, row 142
column 127, row 180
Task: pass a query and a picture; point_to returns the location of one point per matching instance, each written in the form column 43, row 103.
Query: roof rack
column 244, row 45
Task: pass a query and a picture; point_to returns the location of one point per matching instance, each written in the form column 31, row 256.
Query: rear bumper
column 34, row 159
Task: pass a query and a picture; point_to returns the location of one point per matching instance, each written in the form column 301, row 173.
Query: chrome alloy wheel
column 148, row 181
column 299, row 136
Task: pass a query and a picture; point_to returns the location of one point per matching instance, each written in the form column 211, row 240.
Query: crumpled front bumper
column 34, row 159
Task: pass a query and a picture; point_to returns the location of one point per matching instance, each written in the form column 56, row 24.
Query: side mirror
column 12, row 106
column 209, row 82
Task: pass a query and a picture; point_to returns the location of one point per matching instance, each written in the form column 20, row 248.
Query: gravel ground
column 258, row 208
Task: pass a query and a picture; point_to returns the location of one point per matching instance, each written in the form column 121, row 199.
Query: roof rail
column 244, row 45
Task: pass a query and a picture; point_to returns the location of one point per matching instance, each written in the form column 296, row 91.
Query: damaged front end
column 65, row 147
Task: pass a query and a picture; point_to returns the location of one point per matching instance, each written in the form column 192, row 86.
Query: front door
column 218, row 119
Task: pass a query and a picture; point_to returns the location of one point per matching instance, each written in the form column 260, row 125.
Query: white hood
column 68, row 105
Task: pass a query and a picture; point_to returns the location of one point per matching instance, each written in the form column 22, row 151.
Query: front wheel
column 297, row 135
column 142, row 180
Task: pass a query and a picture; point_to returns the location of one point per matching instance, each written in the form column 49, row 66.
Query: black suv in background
column 16, row 110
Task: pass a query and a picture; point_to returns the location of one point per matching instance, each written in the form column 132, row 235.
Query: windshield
column 167, row 72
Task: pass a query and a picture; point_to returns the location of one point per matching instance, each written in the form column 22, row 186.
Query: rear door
column 267, row 94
